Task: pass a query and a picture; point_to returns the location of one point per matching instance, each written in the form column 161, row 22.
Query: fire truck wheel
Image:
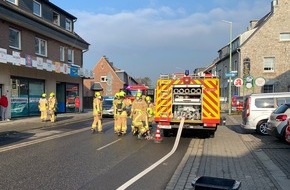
column 166, row 132
column 211, row 134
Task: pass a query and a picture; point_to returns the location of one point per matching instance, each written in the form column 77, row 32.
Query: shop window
column 72, row 92
column 25, row 94
column 14, row 38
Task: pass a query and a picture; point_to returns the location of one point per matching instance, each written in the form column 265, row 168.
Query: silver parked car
column 277, row 121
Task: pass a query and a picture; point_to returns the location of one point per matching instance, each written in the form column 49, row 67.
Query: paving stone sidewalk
column 224, row 156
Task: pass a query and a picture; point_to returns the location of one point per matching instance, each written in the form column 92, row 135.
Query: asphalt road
column 70, row 157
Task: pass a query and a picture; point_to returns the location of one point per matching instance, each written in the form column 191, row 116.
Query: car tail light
column 248, row 106
column 281, row 117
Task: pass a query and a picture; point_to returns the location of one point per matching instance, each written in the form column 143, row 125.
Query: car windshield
column 281, row 109
column 108, row 103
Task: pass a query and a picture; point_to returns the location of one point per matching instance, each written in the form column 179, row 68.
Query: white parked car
column 258, row 107
column 278, row 121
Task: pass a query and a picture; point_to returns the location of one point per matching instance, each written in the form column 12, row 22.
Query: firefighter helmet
column 43, row 95
column 139, row 94
column 51, row 94
column 97, row 94
column 148, row 98
column 117, row 95
column 122, row 93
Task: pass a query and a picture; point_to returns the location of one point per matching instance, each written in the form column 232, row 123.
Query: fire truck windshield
column 134, row 92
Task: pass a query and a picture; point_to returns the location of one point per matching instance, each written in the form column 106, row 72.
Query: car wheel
column 262, row 127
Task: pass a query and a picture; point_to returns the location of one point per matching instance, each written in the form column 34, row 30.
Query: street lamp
column 230, row 68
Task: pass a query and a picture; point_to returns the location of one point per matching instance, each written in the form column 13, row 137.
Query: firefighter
column 139, row 116
column 52, row 104
column 120, row 112
column 117, row 97
column 127, row 102
column 150, row 111
column 43, row 106
column 97, row 113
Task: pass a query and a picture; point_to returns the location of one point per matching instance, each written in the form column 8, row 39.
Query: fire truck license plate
column 164, row 126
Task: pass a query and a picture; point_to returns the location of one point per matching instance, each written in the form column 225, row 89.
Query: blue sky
column 147, row 38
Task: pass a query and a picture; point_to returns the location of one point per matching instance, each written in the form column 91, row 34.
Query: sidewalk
column 224, row 156
column 29, row 123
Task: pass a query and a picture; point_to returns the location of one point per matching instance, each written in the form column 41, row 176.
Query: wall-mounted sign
column 260, row 81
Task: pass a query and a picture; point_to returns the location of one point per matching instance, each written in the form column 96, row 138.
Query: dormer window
column 68, row 24
column 56, row 18
column 37, row 8
column 15, row 2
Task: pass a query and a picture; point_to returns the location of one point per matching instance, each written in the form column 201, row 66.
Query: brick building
column 39, row 53
column 108, row 79
column 260, row 56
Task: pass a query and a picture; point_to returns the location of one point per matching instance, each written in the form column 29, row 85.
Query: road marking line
column 109, row 144
column 144, row 172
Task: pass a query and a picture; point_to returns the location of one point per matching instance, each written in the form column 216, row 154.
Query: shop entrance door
column 60, row 96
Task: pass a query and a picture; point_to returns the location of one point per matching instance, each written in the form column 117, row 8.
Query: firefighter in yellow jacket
column 43, row 106
column 97, row 113
column 117, row 97
column 52, row 104
column 150, row 111
column 121, row 115
column 139, row 116
column 127, row 103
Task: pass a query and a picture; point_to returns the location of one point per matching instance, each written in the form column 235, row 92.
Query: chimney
column 274, row 5
column 253, row 24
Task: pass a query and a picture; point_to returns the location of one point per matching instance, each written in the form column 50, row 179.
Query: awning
column 96, row 87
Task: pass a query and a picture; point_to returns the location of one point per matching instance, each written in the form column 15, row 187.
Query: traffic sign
column 238, row 82
column 231, row 74
column 234, row 71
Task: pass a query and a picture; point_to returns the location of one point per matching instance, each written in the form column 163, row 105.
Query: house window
column 61, row 53
column 14, row 38
column 70, row 56
column 269, row 64
column 15, row 2
column 56, row 18
column 284, row 36
column 37, row 8
column 68, row 24
column 268, row 88
column 104, row 79
column 40, row 47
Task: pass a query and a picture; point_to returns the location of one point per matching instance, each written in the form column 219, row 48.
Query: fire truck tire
column 211, row 134
column 166, row 132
